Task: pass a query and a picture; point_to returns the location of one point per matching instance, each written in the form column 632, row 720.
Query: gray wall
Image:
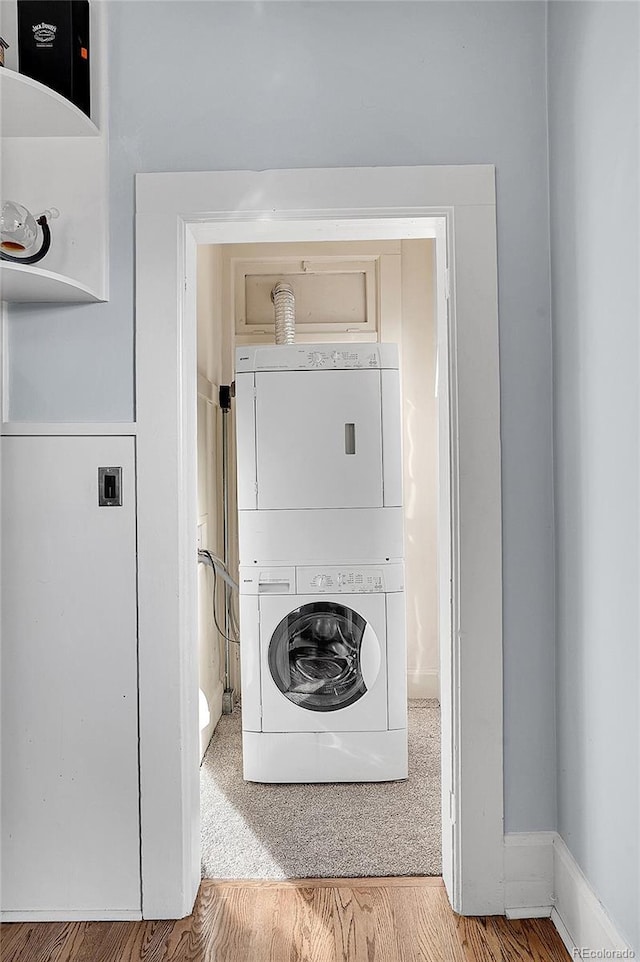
column 208, row 86
column 593, row 114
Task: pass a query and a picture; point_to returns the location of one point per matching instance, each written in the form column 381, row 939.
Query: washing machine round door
column 324, row 656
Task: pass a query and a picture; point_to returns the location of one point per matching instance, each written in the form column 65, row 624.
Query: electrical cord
column 232, row 614
column 218, row 566
column 211, row 559
column 233, row 641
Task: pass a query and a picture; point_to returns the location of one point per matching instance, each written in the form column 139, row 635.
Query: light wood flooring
column 350, row 920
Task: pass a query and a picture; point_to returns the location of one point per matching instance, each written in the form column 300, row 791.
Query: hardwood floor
column 352, row 920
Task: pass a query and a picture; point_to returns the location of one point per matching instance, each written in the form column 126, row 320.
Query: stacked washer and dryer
column 320, row 527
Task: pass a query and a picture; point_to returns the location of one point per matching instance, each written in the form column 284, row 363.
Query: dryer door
column 324, row 666
column 319, row 439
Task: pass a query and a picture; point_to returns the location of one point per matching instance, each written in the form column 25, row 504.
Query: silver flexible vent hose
column 284, row 303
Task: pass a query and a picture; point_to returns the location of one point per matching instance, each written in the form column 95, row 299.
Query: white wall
column 420, row 466
column 594, row 51
column 203, row 86
column 211, row 654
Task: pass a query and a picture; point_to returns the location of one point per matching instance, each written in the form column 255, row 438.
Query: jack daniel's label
column 44, row 34
column 54, row 46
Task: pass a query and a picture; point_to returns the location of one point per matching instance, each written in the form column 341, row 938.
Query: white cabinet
column 70, row 790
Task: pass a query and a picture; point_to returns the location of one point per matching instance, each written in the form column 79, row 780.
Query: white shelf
column 29, row 109
column 19, row 282
column 54, row 155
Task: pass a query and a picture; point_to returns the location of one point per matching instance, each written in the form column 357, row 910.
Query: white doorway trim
column 176, row 212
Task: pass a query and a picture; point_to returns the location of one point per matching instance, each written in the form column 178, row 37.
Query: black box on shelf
column 53, row 46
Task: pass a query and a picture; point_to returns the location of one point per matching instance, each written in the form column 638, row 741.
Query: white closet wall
column 211, row 650
column 418, row 368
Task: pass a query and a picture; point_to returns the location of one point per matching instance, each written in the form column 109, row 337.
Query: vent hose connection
column 284, row 302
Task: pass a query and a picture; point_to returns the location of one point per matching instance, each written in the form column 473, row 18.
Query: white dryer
column 323, row 673
column 319, row 453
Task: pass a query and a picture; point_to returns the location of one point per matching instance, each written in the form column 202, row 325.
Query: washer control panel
column 336, row 580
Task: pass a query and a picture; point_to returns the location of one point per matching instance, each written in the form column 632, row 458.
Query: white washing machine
column 324, row 694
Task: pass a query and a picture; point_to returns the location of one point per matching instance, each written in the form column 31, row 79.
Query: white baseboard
column 528, row 875
column 579, row 916
column 215, row 713
column 75, row 915
column 542, row 879
column 423, row 683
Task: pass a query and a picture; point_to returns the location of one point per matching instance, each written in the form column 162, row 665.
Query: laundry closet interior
column 317, row 499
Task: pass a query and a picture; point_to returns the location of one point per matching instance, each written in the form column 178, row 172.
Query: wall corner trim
column 543, row 880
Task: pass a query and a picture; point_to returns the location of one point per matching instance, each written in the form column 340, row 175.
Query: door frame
column 174, row 213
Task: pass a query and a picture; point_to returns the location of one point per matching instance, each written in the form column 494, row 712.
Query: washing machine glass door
column 317, row 657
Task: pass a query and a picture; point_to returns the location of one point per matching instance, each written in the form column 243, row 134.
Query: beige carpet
column 305, row 831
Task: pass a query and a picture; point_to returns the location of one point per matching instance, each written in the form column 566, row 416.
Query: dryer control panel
column 317, row 357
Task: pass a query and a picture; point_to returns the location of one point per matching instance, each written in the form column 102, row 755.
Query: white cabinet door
column 70, row 828
column 319, row 439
